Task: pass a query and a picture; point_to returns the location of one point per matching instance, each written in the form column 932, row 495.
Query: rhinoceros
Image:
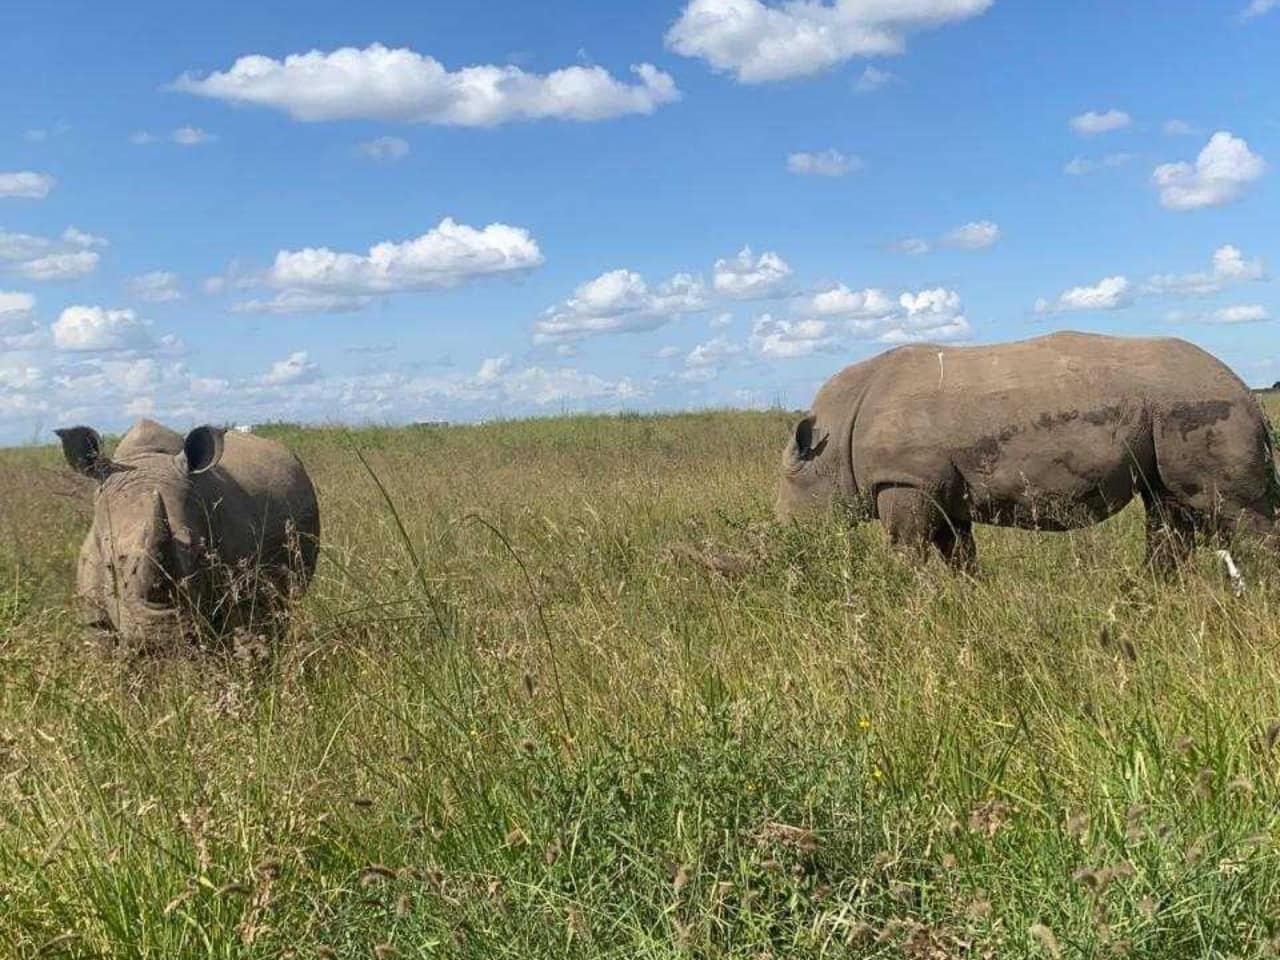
column 1051, row 433
column 212, row 527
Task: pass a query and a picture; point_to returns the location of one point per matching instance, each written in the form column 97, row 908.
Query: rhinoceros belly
column 1057, row 470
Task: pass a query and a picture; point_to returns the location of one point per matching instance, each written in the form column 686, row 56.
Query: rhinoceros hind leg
column 915, row 522
column 1171, row 532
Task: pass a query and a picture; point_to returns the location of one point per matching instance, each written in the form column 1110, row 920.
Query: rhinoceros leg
column 915, row 522
column 1171, row 531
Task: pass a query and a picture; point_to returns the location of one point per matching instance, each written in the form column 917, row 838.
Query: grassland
column 542, row 724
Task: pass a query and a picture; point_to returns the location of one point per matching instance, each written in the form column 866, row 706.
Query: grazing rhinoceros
column 217, row 527
column 1052, row 433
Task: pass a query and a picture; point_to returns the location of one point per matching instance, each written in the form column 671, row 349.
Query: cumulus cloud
column 712, row 353
column 26, row 185
column 295, row 368
column 872, row 79
column 1220, row 174
column 759, row 43
column 1082, row 166
column 85, row 328
column 1228, row 267
column 840, row 301
column 928, row 315
column 746, row 278
column 976, row 235
column 788, row 339
column 384, row 149
column 620, row 301
column 402, row 85
column 1110, row 293
column 826, row 163
column 158, row 286
column 1178, row 128
column 1093, row 123
column 45, row 258
column 446, row 256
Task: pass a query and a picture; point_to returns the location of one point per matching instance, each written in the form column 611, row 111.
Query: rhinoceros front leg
column 916, row 522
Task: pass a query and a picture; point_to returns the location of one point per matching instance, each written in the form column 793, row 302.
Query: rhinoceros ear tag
column 82, row 448
column 202, row 449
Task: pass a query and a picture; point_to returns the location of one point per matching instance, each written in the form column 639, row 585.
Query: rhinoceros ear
column 808, row 440
column 83, row 449
column 202, row 449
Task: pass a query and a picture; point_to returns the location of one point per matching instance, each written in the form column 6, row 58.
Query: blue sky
column 457, row 210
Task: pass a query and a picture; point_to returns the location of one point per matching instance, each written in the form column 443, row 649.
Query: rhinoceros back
column 261, row 505
column 1070, row 422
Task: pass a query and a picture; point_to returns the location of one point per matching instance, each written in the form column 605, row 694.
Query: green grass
column 567, row 738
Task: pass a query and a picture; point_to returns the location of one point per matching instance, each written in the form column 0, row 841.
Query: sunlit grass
column 560, row 732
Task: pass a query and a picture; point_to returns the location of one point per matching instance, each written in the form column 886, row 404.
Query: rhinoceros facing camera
column 220, row 527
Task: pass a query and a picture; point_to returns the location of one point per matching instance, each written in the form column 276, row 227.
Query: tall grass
column 625, row 714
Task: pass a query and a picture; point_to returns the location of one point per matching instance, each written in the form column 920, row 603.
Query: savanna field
column 564, row 688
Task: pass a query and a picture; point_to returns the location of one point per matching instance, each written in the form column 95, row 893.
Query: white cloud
column 84, row 328
column 401, row 85
column 191, row 136
column 840, row 301
column 159, row 286
column 79, row 238
column 911, row 246
column 872, row 79
column 1110, row 293
column 1228, row 267
column 297, row 301
column 1081, row 166
column 1093, row 123
column 759, row 43
column 1241, row 313
column 826, row 163
column 789, row 339
column 45, row 258
column 18, row 330
column 1222, row 171
column 446, row 256
column 187, row 136
column 15, row 306
column 744, row 278
column 1226, row 316
column 721, row 320
column 712, row 353
column 976, row 235
column 492, row 368
column 935, row 314
column 620, row 301
column 1178, row 128
column 59, row 266
column 385, row 149
column 295, row 368
column 541, row 386
column 1257, row 8
column 26, row 185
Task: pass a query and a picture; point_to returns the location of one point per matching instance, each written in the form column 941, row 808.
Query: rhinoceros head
column 146, row 543
column 808, row 485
